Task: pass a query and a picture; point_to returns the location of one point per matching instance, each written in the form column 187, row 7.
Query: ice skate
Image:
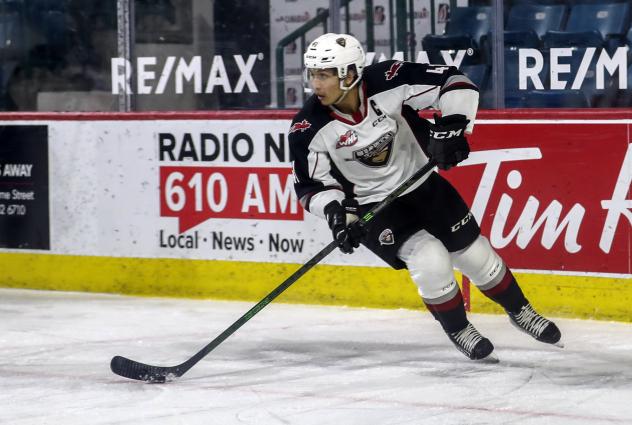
column 540, row 328
column 475, row 346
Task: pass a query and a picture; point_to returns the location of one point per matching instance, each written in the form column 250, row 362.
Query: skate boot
column 540, row 328
column 471, row 343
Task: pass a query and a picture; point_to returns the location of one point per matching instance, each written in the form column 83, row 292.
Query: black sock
column 451, row 313
column 507, row 293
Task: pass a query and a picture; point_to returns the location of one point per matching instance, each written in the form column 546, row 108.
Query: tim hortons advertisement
column 553, row 195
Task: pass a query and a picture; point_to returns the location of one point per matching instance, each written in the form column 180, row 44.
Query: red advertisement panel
column 196, row 194
column 553, row 195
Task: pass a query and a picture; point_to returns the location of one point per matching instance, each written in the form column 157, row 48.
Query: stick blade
column 132, row 369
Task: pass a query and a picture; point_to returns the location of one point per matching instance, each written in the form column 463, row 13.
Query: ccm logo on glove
column 447, row 144
column 445, row 134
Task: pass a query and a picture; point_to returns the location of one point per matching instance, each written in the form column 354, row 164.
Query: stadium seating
column 610, row 19
column 599, row 25
column 572, row 39
column 11, row 35
column 574, row 24
column 449, row 44
column 6, row 69
column 537, row 2
column 547, row 99
column 591, row 25
column 479, row 74
column 520, row 39
column 55, row 27
column 473, row 21
column 535, row 17
column 555, row 99
column 464, row 30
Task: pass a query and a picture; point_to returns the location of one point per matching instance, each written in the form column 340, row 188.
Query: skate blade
column 492, row 358
column 559, row 344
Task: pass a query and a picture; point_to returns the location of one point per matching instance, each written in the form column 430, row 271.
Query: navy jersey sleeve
column 311, row 163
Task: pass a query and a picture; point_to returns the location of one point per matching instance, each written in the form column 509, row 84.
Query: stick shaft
column 304, row 269
column 258, row 307
column 135, row 370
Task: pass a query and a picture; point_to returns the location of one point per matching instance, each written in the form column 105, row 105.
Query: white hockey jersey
column 369, row 154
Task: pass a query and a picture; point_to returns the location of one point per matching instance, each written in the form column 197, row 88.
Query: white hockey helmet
column 336, row 51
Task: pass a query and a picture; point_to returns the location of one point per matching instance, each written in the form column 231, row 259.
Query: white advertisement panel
column 199, row 189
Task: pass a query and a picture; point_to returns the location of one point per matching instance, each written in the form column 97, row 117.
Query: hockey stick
column 143, row 372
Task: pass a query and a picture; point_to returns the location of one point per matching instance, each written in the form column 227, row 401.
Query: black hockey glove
column 447, row 144
column 344, row 224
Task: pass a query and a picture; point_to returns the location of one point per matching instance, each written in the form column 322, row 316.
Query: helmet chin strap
column 342, row 96
column 345, row 90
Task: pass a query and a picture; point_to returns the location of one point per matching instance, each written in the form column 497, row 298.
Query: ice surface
column 294, row 364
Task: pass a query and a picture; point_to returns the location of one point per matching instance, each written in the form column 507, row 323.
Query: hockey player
column 358, row 137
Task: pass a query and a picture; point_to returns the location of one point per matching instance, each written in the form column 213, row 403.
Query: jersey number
column 438, row 70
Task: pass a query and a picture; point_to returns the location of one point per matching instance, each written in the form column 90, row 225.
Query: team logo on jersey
column 392, row 71
column 378, row 153
column 350, row 138
column 386, row 237
column 300, row 126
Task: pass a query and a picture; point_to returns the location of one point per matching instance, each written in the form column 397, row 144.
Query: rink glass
column 182, row 55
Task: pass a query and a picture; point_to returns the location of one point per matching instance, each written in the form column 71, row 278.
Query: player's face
column 326, row 85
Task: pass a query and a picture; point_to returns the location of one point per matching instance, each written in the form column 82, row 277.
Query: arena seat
column 473, row 21
column 434, row 45
column 479, row 74
column 55, row 26
column 535, row 17
column 555, row 99
column 592, row 25
column 537, row 2
column 466, row 27
column 610, row 19
column 591, row 38
column 521, row 39
column 11, row 36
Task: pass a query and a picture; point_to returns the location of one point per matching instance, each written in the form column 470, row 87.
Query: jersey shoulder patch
column 308, row 121
column 300, row 126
